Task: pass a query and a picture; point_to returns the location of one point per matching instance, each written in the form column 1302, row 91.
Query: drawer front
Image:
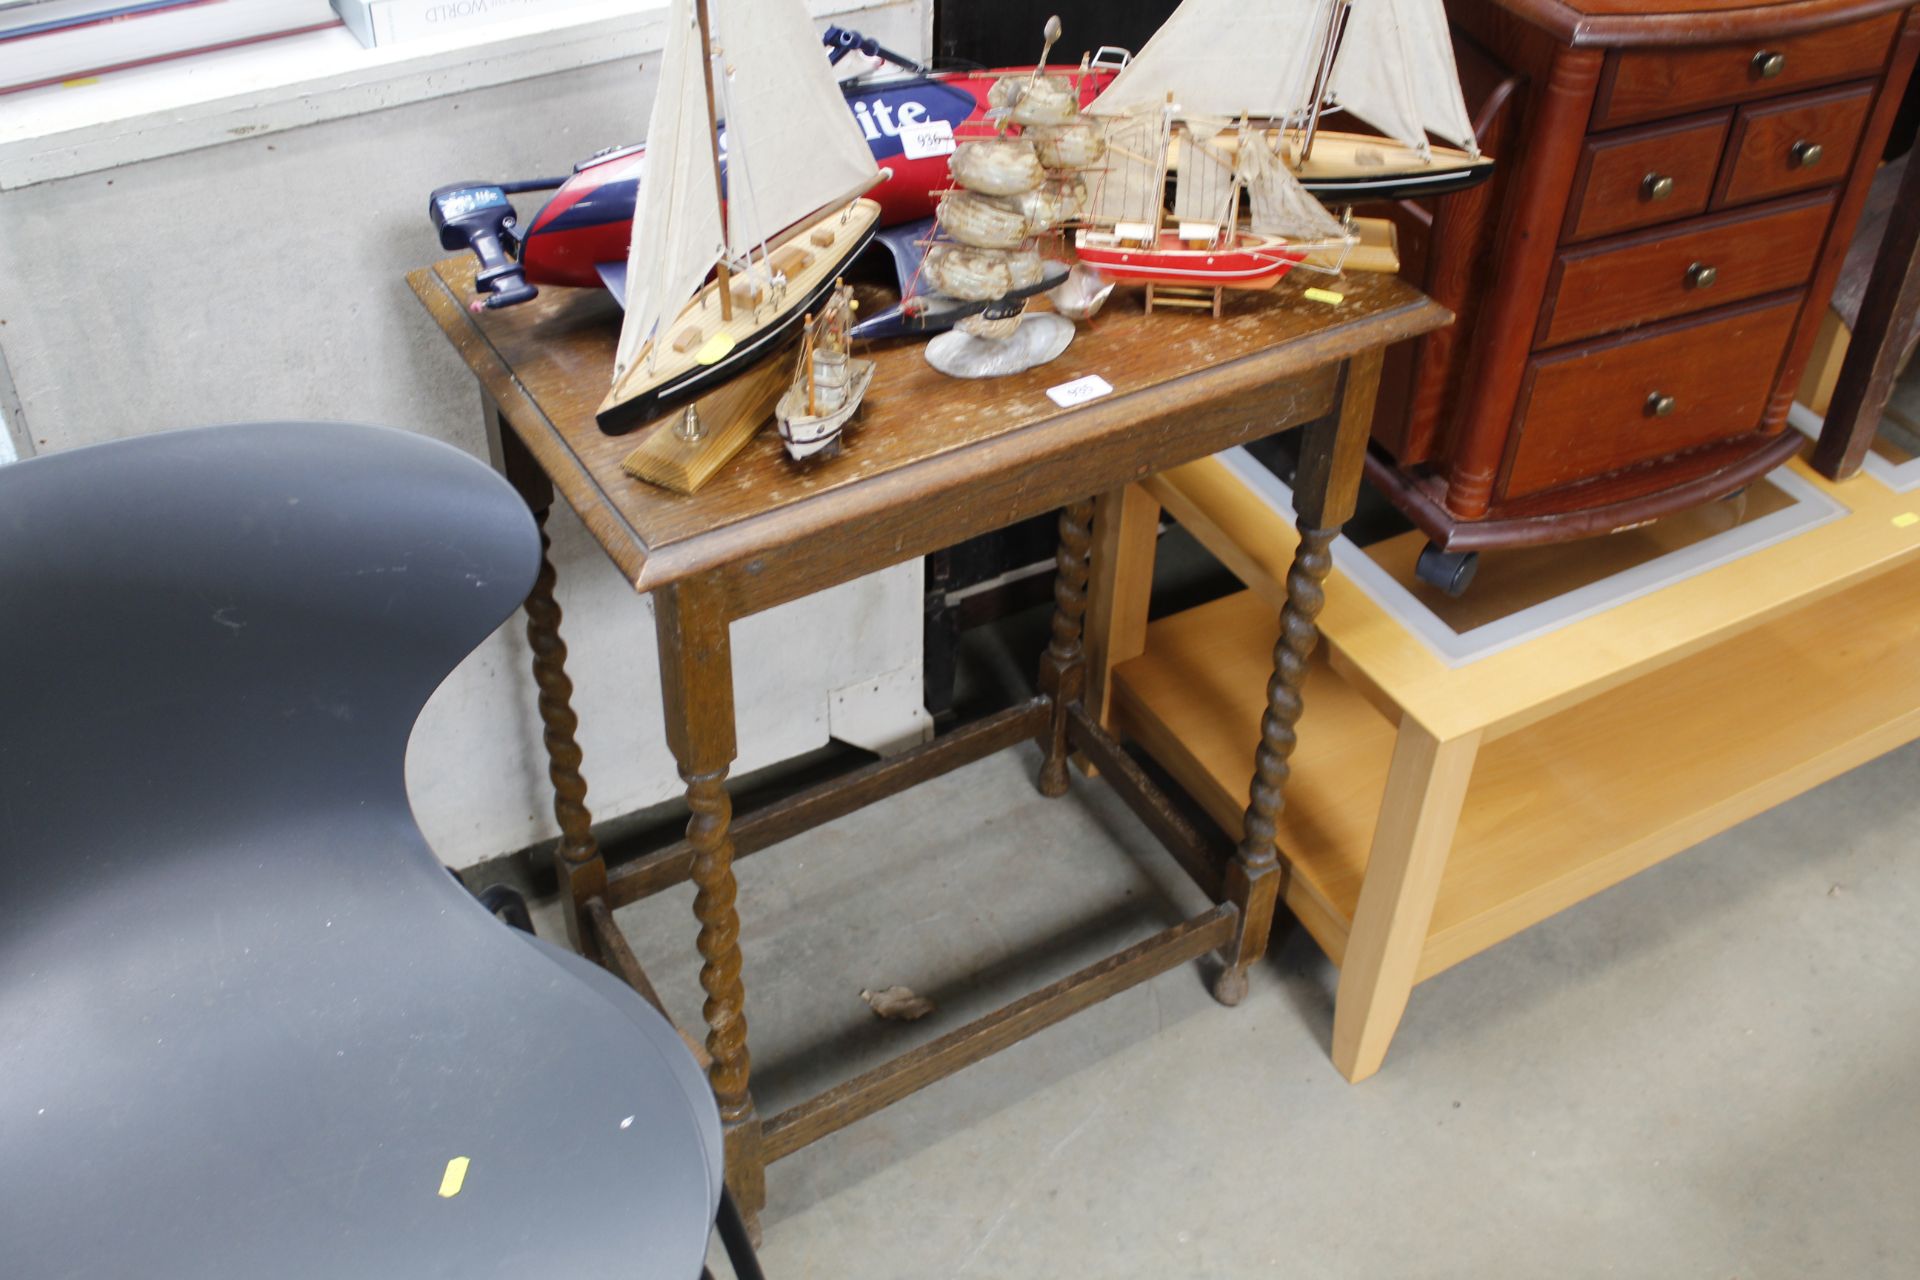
column 1644, row 84
column 1588, row 411
column 1792, row 145
column 1635, row 179
column 1675, row 271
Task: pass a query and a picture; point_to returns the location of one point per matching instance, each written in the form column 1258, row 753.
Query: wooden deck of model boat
column 702, row 348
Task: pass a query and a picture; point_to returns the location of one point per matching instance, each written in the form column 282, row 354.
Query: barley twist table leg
column 1063, row 668
column 719, row 944
column 576, row 859
column 696, row 684
column 1253, row 879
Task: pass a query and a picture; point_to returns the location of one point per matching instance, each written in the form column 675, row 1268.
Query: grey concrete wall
column 262, row 279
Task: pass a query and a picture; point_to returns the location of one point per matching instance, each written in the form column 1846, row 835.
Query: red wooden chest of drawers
column 1640, row 284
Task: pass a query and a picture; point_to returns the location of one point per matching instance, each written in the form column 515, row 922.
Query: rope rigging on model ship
column 1230, row 98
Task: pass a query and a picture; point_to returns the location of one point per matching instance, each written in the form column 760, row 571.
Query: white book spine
column 383, row 22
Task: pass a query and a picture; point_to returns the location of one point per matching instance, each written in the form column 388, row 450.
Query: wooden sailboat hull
column 1348, row 168
column 1252, row 261
column 681, row 371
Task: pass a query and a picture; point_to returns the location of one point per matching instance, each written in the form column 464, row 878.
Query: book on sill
column 134, row 39
column 383, row 22
column 22, row 18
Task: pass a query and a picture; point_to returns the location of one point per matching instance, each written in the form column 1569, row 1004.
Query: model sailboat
column 1284, row 64
column 1127, row 237
column 828, row 382
column 775, row 236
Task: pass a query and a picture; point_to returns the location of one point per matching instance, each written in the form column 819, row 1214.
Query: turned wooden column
column 1325, row 488
column 576, row 858
column 696, row 683
column 1063, row 667
column 1505, row 327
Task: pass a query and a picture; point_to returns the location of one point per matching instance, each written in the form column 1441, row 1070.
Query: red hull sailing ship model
column 1229, row 95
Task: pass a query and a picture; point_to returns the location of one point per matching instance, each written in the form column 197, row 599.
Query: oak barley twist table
column 930, row 462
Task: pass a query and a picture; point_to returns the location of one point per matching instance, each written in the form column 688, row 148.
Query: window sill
column 201, row 101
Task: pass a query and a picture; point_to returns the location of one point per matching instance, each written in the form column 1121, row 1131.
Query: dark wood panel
column 1587, row 410
column 1002, row 33
column 1879, row 344
column 1793, row 145
column 1644, row 84
column 1853, row 198
column 1657, row 174
column 1608, row 24
column 1672, row 271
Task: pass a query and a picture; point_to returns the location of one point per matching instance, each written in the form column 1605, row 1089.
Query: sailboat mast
column 713, row 130
column 1336, row 23
column 1164, row 137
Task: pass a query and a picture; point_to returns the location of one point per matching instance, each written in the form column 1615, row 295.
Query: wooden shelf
column 1560, row 808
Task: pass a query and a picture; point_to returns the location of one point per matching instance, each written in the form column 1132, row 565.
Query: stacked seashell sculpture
column 1011, row 190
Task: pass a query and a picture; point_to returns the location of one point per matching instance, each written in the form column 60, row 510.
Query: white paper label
column 1079, row 391
column 934, row 138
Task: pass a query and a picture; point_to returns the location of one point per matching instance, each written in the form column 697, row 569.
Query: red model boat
column 1246, row 261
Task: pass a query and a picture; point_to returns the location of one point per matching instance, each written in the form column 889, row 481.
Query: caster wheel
column 1450, row 571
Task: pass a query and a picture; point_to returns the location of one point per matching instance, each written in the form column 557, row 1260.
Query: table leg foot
column 576, row 859
column 1230, row 985
column 1063, row 668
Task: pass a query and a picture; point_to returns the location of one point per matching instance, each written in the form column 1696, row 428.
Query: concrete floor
column 1712, row 1070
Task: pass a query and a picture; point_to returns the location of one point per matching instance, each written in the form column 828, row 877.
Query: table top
column 1185, row 386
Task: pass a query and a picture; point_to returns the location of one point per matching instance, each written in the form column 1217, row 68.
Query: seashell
column 1052, row 203
column 985, row 222
column 996, row 166
column 993, row 329
column 1079, row 145
column 981, row 275
column 1082, row 294
column 1047, row 100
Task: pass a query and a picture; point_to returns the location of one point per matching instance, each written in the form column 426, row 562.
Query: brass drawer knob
column 1768, row 65
column 1656, row 186
column 1659, row 406
column 1804, row 154
column 1701, row 276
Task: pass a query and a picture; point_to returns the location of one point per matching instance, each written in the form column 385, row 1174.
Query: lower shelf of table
column 1557, row 810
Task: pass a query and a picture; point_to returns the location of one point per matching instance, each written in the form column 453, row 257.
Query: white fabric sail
column 793, row 148
column 1132, row 186
column 1395, row 70
column 1204, row 191
column 1226, row 58
column 1280, row 206
column 677, row 236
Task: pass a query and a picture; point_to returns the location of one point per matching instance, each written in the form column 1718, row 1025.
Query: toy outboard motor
column 477, row 216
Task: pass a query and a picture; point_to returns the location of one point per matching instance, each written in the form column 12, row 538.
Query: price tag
column 933, row 138
column 1079, row 391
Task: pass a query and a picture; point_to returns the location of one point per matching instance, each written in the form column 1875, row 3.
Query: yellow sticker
column 454, row 1178
column 81, row 83
column 1327, row 296
column 1904, row 519
column 715, row 349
